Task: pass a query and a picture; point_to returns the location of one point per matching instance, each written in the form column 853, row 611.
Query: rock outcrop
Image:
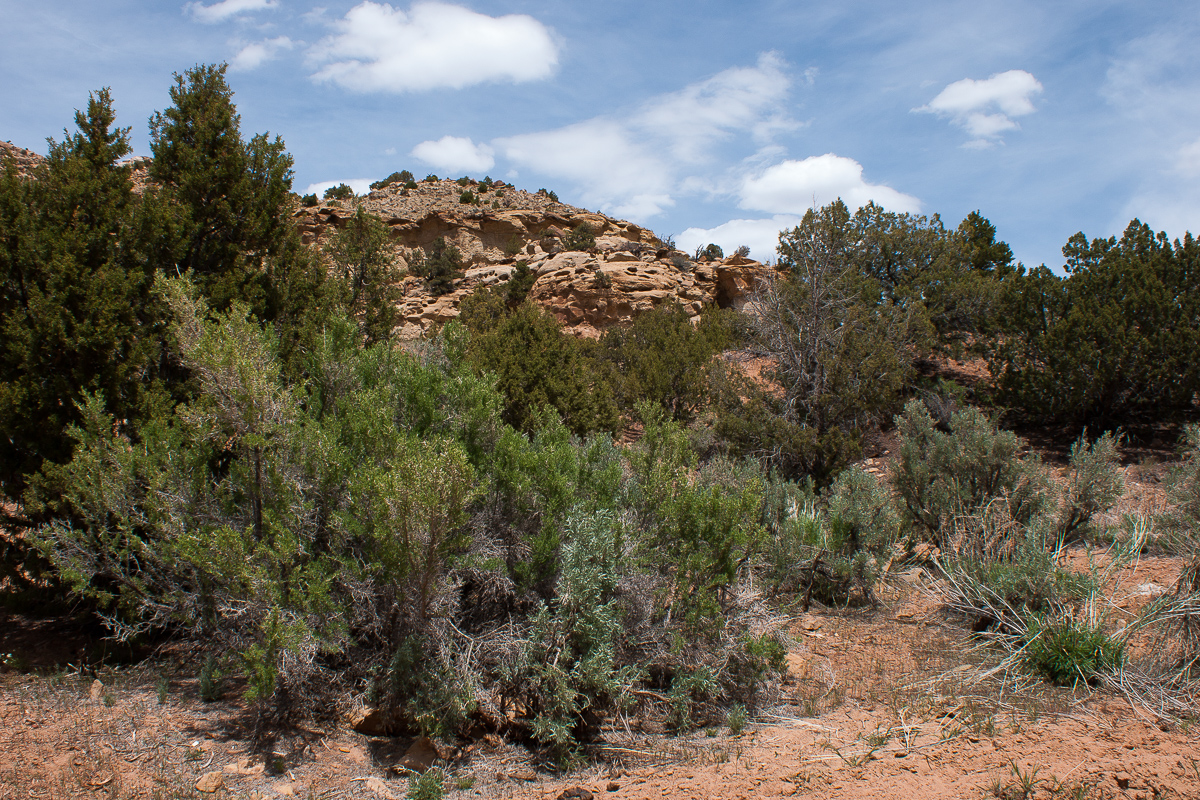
column 630, row 270
column 627, row 272
column 24, row 160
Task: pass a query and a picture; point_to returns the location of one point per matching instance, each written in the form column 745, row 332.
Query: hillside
column 629, row 271
column 639, row 271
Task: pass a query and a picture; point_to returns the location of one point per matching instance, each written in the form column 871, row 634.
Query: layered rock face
column 628, row 271
column 24, row 160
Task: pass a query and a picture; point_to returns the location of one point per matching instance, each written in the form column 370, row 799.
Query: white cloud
column 253, row 55
column 632, row 166
column 793, row 187
column 1187, row 162
column 434, row 45
column 760, row 235
column 737, row 99
column 455, row 154
column 612, row 169
column 359, row 185
column 985, row 109
column 219, row 12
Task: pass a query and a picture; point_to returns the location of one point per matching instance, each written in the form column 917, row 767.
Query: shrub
column 421, row 692
column 339, row 192
column 581, row 237
column 736, row 719
column 1096, row 483
column 309, row 200
column 367, row 277
column 954, row 484
column 1183, row 483
column 710, row 252
column 827, row 548
column 742, row 251
column 1116, row 334
column 440, row 267
column 520, row 283
column 468, row 198
column 1066, row 651
column 403, row 176
column 513, row 245
column 464, row 181
column 410, row 184
column 210, row 682
column 570, row 672
column 681, row 262
column 536, row 364
column 662, row 357
column 430, row 785
column 431, row 178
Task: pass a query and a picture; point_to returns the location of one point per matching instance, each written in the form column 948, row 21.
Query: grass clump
column 1065, row 651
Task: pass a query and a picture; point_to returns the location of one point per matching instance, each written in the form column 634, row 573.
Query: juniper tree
column 76, row 312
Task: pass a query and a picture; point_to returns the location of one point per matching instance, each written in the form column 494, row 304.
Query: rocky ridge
column 629, row 271
column 24, row 160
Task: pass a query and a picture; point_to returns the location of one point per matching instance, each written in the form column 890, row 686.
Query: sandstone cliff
column 630, row 270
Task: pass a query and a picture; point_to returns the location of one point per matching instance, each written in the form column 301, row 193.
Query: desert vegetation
column 210, row 433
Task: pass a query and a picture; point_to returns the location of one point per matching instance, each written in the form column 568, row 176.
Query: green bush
column 581, row 237
column 403, row 176
column 711, row 252
column 468, row 198
column 536, row 364
column 339, row 192
column 430, row 785
column 1067, row 651
column 513, row 245
column 1095, row 485
column 309, row 200
column 440, row 267
column 954, row 484
column 363, row 262
column 827, row 548
column 431, row 178
column 421, row 692
column 210, row 682
column 571, row 674
column 1117, row 334
column 663, row 358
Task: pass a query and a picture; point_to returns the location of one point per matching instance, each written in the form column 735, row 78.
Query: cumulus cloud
column 254, row 55
column 219, row 12
column 631, row 166
column 434, row 45
column 612, row 169
column 455, row 154
column 792, row 187
column 985, row 109
column 760, row 235
column 359, row 185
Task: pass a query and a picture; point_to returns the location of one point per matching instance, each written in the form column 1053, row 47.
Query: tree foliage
column 1119, row 333
column 77, row 314
column 229, row 196
column 364, row 261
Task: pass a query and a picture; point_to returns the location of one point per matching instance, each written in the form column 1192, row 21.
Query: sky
column 706, row 121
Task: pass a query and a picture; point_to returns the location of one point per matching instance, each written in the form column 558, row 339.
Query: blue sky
column 709, row 121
